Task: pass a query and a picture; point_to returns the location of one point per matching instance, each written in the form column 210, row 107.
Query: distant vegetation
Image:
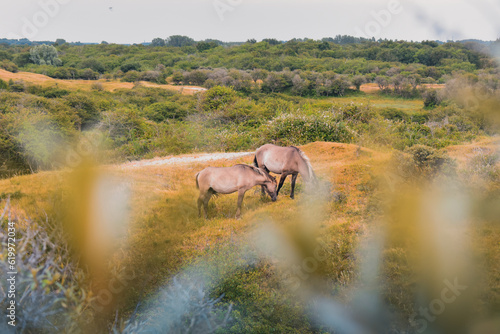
column 269, row 60
column 258, row 92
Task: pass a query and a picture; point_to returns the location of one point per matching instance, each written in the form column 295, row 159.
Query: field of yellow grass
column 165, row 231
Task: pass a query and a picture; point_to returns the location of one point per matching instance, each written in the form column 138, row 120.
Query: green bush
column 295, row 129
column 218, row 97
column 9, row 66
column 16, row 86
column 162, row 111
column 431, row 99
column 394, row 114
column 85, row 108
column 422, row 161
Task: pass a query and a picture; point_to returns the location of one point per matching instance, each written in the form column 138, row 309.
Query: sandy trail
column 185, row 159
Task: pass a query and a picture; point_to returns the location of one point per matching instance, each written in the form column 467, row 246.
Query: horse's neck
column 260, row 180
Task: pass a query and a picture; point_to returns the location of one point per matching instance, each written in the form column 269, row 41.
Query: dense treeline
column 428, row 59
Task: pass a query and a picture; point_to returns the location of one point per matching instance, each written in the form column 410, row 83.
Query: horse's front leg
column 294, row 178
column 241, row 194
column 282, row 179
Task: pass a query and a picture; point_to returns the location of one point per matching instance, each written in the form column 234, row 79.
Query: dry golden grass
column 165, row 232
column 164, row 221
column 110, row 85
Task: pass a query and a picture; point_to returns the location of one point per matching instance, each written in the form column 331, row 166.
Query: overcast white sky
column 135, row 21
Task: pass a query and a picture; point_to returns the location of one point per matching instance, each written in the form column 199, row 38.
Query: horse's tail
column 310, row 170
column 197, row 184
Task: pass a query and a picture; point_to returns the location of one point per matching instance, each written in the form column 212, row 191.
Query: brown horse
column 285, row 161
column 227, row 180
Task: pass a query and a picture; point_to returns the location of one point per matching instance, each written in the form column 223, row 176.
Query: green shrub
column 9, row 66
column 85, row 107
column 162, row 111
column 16, row 86
column 421, row 161
column 3, row 85
column 294, row 129
column 131, row 76
column 218, row 97
column 394, row 114
column 48, row 92
column 431, row 99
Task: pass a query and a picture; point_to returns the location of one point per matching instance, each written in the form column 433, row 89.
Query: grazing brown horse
column 285, row 161
column 227, row 180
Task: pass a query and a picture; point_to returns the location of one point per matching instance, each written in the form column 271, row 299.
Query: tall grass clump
column 51, row 291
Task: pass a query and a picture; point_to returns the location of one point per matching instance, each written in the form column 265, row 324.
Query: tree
column 324, row 46
column 93, row 64
column 271, row 41
column 203, row 46
column 179, row 41
column 60, row 41
column 300, row 85
column 45, row 55
column 196, row 77
column 431, row 98
column 177, row 77
column 274, row 82
column 382, row 82
column 130, row 67
column 358, row 80
column 158, row 42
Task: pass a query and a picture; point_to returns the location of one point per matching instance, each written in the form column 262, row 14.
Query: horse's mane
column 255, row 169
column 307, row 161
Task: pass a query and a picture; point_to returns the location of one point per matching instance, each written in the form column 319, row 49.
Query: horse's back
column 278, row 159
column 224, row 180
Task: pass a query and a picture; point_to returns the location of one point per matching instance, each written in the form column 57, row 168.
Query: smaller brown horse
column 285, row 161
column 227, row 180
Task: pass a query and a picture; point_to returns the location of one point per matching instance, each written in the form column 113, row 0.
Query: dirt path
column 373, row 87
column 185, row 159
column 40, row 79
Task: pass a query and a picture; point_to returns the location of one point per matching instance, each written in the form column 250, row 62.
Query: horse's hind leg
column 200, row 203
column 282, row 179
column 294, row 178
column 208, row 194
column 201, row 200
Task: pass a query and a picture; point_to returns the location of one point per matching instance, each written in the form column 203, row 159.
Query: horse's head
column 271, row 186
